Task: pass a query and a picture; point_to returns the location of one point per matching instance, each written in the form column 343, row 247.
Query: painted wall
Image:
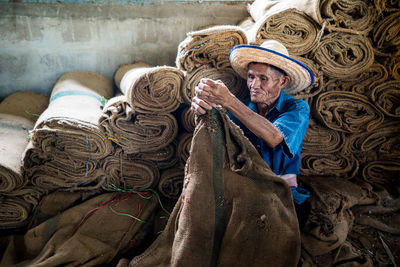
column 41, row 40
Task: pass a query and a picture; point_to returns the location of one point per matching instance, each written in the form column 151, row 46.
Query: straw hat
column 274, row 53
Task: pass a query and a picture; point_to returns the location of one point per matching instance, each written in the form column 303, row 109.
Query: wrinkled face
column 265, row 83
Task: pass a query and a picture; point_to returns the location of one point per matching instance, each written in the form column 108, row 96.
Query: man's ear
column 285, row 80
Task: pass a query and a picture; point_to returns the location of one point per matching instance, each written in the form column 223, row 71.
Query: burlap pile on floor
column 232, row 207
column 77, row 237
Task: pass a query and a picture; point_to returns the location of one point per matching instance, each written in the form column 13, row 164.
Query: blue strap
column 76, row 92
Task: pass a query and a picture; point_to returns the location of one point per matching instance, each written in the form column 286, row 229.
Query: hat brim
column 300, row 75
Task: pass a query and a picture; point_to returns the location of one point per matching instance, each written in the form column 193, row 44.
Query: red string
column 99, row 207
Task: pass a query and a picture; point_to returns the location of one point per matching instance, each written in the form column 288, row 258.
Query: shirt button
column 258, row 146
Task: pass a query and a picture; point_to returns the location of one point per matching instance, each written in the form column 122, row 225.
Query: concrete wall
column 40, row 41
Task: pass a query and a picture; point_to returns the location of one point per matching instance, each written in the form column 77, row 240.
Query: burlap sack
column 89, row 234
column 330, row 218
column 14, row 137
column 233, row 210
column 25, row 104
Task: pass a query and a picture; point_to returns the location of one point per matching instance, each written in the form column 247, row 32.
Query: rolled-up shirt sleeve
column 293, row 124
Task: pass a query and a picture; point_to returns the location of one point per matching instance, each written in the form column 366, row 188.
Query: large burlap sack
column 89, row 234
column 233, row 210
column 330, row 218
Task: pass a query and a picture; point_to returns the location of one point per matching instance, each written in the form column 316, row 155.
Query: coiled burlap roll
column 340, row 15
column 228, row 76
column 187, row 119
column 150, row 89
column 298, row 32
column 382, row 141
column 363, row 83
column 346, row 112
column 386, row 96
column 334, row 15
column 16, row 206
column 126, row 172
column 342, row 55
column 14, row 132
column 320, row 138
column 328, row 164
column 319, row 82
column 394, row 67
column 163, row 158
column 68, row 127
column 14, row 212
column 137, row 132
column 383, row 172
column 62, row 174
column 386, row 32
column 184, row 144
column 209, row 46
column 171, row 182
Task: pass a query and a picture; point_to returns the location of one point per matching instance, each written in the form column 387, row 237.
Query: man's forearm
column 256, row 123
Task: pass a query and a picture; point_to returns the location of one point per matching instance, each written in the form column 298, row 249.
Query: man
column 274, row 121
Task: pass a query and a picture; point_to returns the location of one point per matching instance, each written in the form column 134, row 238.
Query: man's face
column 264, row 83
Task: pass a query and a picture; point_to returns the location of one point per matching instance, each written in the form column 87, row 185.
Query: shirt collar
column 278, row 104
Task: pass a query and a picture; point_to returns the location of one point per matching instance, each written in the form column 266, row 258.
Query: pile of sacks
column 93, row 148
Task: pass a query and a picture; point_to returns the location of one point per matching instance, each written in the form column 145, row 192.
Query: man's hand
column 208, row 94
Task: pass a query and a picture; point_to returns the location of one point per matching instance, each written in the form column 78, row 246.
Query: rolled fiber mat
column 68, row 127
column 151, row 89
column 134, row 131
column 14, row 134
column 228, row 76
column 209, row 46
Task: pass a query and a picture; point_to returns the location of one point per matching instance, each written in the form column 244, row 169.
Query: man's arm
column 210, row 93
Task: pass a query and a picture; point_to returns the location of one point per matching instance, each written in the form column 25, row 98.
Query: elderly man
column 274, row 121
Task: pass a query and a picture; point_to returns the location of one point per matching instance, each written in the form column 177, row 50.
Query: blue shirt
column 290, row 115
